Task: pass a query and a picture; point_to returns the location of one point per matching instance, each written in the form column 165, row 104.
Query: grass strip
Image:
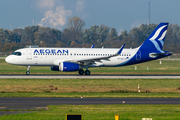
column 154, row 68
column 103, row 112
column 164, row 88
column 94, row 95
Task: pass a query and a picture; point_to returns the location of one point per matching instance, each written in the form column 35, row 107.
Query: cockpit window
column 16, row 53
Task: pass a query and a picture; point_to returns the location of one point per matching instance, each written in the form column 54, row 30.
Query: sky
column 119, row 14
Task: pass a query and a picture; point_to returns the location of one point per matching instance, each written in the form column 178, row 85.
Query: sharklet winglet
column 120, row 50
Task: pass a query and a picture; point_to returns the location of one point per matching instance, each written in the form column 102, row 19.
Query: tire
column 87, row 72
column 27, row 73
column 81, row 72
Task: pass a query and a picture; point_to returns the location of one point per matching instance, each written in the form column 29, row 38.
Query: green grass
column 89, row 87
column 94, row 95
column 103, row 112
column 167, row 67
column 159, row 88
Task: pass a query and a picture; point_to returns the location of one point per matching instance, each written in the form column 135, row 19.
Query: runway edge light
column 139, row 88
column 116, row 117
column 146, row 118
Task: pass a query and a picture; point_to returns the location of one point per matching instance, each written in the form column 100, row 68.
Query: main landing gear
column 87, row 72
column 28, row 69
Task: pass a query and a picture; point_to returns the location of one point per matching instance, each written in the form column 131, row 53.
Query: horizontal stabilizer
column 160, row 54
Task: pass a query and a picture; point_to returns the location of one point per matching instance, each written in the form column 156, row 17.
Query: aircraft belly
column 36, row 62
column 44, row 62
column 113, row 62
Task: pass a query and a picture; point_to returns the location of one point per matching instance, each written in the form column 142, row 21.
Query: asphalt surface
column 41, row 103
column 92, row 76
column 22, row 103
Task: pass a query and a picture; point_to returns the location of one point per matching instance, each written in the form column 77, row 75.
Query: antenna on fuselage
column 32, row 46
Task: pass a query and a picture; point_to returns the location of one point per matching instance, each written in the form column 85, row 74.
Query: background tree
column 17, row 33
column 113, row 34
column 75, row 36
column 75, row 26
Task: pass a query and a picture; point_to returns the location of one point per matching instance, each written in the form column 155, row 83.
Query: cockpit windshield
column 16, row 53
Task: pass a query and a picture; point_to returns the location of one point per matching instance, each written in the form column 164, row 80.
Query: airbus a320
column 77, row 59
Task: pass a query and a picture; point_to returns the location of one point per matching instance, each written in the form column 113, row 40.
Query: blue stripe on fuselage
column 144, row 58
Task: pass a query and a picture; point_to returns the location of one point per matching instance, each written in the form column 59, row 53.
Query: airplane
column 77, row 59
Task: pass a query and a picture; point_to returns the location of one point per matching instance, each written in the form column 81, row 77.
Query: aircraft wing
column 87, row 61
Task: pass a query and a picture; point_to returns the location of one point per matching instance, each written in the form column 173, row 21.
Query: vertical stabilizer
column 156, row 40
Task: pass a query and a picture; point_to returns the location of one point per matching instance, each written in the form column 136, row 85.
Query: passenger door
column 29, row 54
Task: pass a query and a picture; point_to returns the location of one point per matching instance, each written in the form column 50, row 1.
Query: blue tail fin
column 156, row 40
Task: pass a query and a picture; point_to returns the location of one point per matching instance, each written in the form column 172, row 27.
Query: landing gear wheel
column 81, row 72
column 87, row 72
column 27, row 73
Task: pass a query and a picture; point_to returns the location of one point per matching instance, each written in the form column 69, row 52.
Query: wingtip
column 120, row 50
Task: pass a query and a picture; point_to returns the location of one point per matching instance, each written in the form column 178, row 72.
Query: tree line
column 74, row 35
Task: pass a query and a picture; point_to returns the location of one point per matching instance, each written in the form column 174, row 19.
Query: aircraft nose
column 8, row 59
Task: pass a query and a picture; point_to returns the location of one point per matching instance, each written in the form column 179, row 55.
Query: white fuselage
column 75, row 59
column 53, row 56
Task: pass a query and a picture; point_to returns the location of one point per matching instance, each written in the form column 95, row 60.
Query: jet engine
column 66, row 66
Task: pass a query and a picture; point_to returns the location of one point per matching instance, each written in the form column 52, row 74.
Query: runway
column 41, row 103
column 91, row 76
column 6, row 103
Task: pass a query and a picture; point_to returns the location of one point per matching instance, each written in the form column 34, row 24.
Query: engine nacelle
column 66, row 66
